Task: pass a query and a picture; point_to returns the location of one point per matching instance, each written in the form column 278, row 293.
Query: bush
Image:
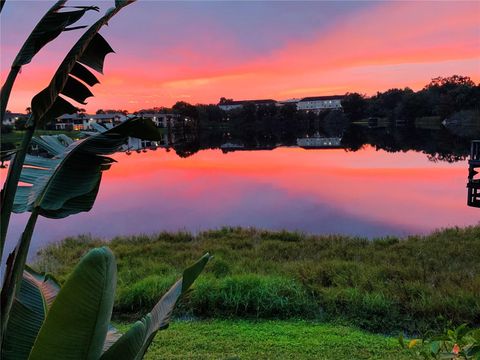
column 251, row 295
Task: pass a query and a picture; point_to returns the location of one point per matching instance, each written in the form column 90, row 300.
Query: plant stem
column 11, row 183
column 14, row 272
column 7, row 89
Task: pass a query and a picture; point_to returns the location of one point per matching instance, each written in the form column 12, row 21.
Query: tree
column 224, row 100
column 354, row 106
column 185, row 109
column 450, row 82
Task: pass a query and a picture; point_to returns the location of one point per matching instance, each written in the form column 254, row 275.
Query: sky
column 202, row 50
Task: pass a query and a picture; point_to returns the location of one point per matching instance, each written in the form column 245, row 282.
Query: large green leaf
column 29, row 309
column 77, row 323
column 134, row 343
column 90, row 50
column 49, row 27
column 68, row 183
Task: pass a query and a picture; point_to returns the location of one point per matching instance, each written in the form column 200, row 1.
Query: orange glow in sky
column 199, row 52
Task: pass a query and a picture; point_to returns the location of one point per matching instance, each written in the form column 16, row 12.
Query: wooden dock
column 473, row 184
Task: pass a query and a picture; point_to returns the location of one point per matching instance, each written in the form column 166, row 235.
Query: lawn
column 293, row 339
column 16, row 136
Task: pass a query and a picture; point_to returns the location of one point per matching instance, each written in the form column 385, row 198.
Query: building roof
column 72, row 117
column 243, row 102
column 14, row 115
column 328, row 97
column 106, row 116
column 87, row 116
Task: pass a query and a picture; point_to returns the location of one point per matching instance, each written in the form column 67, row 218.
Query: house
column 10, row 118
column 293, row 101
column 84, row 121
column 71, row 122
column 320, row 103
column 161, row 120
column 228, row 105
column 110, row 118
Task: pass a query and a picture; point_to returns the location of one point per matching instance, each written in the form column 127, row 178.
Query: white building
column 320, row 103
column 103, row 119
column 10, row 118
column 72, row 122
column 84, row 121
column 293, row 101
column 231, row 104
column 161, row 120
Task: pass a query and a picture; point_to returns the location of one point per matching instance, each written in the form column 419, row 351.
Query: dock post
column 473, row 185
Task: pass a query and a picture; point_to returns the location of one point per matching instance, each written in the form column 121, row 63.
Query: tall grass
column 388, row 284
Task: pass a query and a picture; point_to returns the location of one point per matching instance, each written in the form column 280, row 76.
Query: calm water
column 367, row 193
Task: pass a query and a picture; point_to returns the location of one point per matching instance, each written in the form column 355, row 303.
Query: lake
column 366, row 193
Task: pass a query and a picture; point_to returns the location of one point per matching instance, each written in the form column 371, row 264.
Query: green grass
column 385, row 285
column 16, row 136
column 220, row 339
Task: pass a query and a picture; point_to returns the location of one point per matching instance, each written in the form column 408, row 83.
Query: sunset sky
column 200, row 51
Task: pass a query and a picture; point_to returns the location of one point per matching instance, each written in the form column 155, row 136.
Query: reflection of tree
column 266, row 127
column 437, row 144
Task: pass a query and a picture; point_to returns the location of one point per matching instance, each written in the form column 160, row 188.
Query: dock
column 473, row 184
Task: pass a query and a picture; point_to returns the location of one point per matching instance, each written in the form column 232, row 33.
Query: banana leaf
column 78, row 320
column 68, row 183
column 89, row 50
column 30, row 307
column 50, row 26
column 53, row 23
column 135, row 342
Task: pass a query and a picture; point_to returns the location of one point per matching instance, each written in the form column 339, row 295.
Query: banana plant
column 31, row 325
column 62, row 186
column 89, row 50
column 74, row 322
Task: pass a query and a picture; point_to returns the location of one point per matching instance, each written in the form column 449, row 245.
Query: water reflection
column 437, row 142
column 366, row 193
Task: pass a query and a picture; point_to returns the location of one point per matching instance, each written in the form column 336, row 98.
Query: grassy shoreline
column 285, row 339
column 383, row 285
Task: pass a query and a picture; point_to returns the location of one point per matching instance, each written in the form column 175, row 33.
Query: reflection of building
column 228, row 105
column 230, row 147
column 320, row 103
column 318, row 142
